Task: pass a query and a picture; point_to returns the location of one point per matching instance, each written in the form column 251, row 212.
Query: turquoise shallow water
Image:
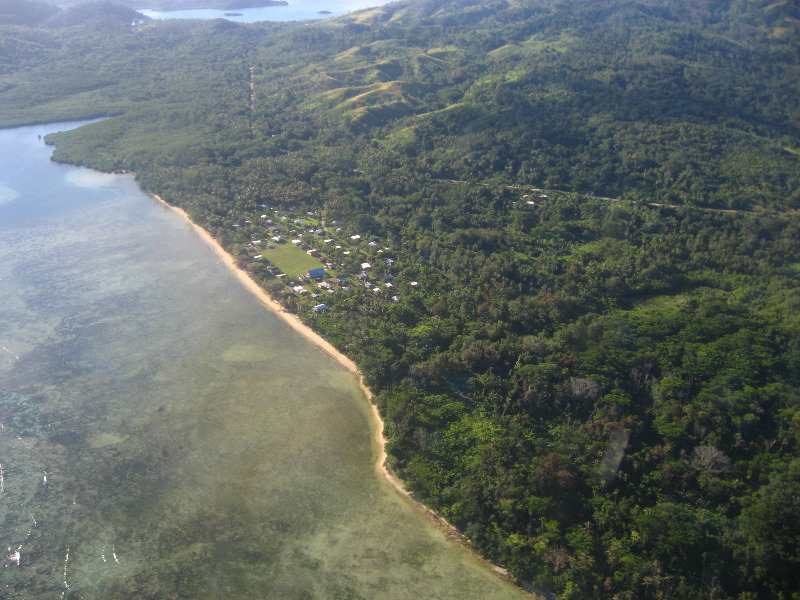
column 163, row 435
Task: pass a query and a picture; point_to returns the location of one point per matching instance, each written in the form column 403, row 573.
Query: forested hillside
column 560, row 239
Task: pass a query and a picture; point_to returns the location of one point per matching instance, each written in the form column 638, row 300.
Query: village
column 314, row 261
column 304, row 261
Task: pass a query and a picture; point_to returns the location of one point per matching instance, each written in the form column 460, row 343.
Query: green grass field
column 290, row 259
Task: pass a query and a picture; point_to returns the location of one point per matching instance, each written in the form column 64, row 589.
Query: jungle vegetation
column 589, row 356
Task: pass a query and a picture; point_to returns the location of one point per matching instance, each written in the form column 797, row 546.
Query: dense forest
column 560, row 239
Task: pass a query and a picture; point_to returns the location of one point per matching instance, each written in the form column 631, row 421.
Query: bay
column 163, row 435
column 295, row 10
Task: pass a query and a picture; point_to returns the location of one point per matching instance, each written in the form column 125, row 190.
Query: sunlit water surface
column 295, row 10
column 162, row 435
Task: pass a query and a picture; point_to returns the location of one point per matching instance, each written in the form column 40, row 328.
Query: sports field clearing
column 290, row 259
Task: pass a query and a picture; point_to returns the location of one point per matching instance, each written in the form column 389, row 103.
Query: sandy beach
column 295, row 323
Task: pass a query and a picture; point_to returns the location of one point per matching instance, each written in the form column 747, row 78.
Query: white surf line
column 114, row 556
column 2, row 479
column 13, row 556
column 16, row 556
column 10, row 352
column 24, row 443
column 66, row 585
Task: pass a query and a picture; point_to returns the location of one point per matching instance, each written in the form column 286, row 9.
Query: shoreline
column 293, row 321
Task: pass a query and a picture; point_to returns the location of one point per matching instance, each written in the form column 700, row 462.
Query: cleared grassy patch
column 661, row 301
column 290, row 259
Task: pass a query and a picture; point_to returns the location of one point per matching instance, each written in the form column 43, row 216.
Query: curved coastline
column 295, row 323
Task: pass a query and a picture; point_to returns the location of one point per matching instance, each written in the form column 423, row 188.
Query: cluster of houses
column 297, row 231
column 325, row 283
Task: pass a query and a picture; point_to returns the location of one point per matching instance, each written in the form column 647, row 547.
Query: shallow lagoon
column 163, row 435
